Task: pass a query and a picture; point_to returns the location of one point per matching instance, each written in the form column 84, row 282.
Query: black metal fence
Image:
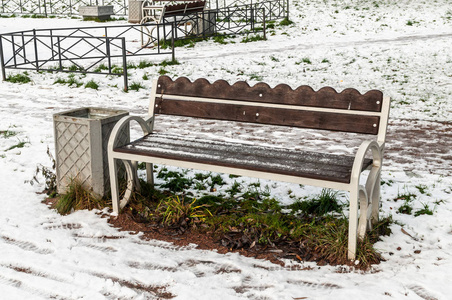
column 57, row 7
column 107, row 49
column 95, row 50
column 70, row 7
column 229, row 20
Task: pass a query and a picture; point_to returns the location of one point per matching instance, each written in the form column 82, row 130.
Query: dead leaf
column 405, row 232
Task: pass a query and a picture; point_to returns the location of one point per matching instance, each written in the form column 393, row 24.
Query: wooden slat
column 282, row 94
column 336, row 168
column 181, row 8
column 269, row 115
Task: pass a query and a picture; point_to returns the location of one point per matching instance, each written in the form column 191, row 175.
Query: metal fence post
column 51, row 43
column 36, row 49
column 59, row 54
column 173, row 52
column 287, row 9
column 124, row 64
column 107, row 51
column 263, row 23
column 2, row 62
column 252, row 18
column 13, row 44
column 23, row 46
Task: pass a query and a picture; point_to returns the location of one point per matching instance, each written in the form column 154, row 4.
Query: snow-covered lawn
column 403, row 48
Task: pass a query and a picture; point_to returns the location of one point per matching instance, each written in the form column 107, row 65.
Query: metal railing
column 96, row 50
column 57, row 7
column 106, row 49
column 229, row 20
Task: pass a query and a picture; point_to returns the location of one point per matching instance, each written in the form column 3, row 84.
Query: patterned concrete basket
column 100, row 12
column 81, row 138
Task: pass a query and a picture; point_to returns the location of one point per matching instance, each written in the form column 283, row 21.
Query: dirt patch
column 204, row 241
column 209, row 241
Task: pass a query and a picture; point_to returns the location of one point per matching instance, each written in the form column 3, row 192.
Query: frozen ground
column 400, row 47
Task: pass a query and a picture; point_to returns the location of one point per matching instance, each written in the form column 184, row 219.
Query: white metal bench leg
column 133, row 183
column 131, row 167
column 150, row 174
column 353, row 223
column 376, row 199
column 146, row 37
column 113, row 168
column 131, row 180
column 365, row 209
column 367, row 197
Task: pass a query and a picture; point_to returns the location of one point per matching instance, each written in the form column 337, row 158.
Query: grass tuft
column 19, row 78
column 76, row 198
column 136, row 86
column 322, row 204
column 254, row 38
column 92, row 85
column 285, row 22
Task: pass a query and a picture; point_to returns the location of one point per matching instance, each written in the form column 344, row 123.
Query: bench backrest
column 184, row 8
column 348, row 111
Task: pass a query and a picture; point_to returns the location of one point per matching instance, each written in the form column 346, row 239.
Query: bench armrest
column 146, row 124
column 377, row 156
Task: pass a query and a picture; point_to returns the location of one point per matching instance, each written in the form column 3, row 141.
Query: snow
column 359, row 44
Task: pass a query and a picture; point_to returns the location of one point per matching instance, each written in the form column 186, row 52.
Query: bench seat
column 322, row 166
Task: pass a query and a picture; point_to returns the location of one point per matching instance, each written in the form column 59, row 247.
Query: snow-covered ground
column 403, row 48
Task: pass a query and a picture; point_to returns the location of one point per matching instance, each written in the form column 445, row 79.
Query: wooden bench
column 348, row 111
column 155, row 11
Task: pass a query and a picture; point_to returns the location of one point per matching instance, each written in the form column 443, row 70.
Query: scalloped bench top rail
column 348, row 111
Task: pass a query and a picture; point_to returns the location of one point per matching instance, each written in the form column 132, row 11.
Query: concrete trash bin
column 81, row 139
column 135, row 11
column 96, row 12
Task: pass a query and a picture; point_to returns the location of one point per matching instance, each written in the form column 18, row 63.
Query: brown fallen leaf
column 405, row 232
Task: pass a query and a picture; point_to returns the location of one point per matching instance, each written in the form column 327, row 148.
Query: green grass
column 76, row 198
column 144, row 64
column 220, row 39
column 92, row 85
column 256, row 77
column 136, row 86
column 187, row 42
column 71, row 81
column 8, row 133
column 19, row 78
column 166, row 63
column 422, row 188
column 426, row 210
column 19, row 145
column 407, row 196
column 305, row 60
column 117, row 69
column 285, row 22
column 74, row 68
column 60, row 80
column 100, row 68
column 407, row 206
column 162, row 71
column 254, row 38
column 320, row 205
